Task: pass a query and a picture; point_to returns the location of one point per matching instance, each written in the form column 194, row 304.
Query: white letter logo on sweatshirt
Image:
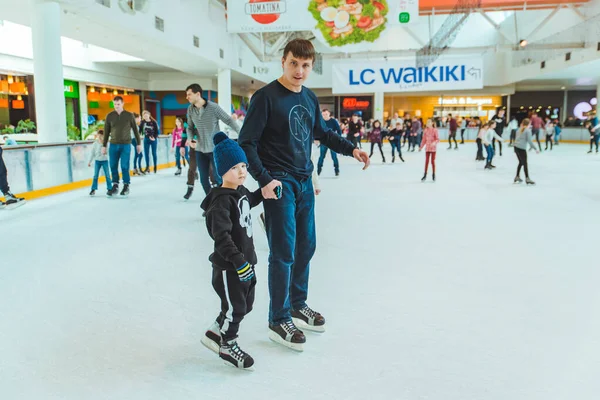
column 300, row 123
column 245, row 217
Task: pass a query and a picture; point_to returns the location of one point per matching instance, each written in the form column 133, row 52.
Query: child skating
column 523, row 137
column 374, row 136
column 394, row 137
column 229, row 224
column 487, row 140
column 100, row 162
column 430, row 141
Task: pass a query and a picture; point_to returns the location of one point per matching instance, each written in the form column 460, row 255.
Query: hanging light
column 115, row 92
column 125, row 93
column 26, row 92
column 10, row 80
column 19, row 97
column 523, row 42
column 92, row 89
column 104, row 91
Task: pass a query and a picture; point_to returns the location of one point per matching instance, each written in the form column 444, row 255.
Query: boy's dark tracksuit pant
column 3, row 176
column 237, row 298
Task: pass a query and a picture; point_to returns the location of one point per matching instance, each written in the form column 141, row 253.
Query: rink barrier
column 41, row 170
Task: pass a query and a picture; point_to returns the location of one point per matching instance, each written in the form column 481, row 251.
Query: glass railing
column 35, row 167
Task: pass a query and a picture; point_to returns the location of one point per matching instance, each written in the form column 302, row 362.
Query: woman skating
column 149, row 128
column 375, row 138
column 479, row 141
column 176, row 145
column 430, row 140
column 523, row 138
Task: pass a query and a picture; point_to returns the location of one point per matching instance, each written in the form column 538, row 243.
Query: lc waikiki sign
column 402, row 76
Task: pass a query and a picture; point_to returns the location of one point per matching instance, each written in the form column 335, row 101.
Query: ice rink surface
column 469, row 288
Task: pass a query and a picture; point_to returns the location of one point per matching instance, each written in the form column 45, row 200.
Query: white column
column 83, row 107
column 565, row 112
column 48, row 72
column 378, row 107
column 224, row 89
column 508, row 108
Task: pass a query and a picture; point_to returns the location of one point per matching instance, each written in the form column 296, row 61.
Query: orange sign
column 352, row 103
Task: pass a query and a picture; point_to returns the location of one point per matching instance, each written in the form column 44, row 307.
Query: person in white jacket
column 101, row 161
column 513, row 125
column 487, row 140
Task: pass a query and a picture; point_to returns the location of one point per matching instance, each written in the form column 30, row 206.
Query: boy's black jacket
column 229, row 224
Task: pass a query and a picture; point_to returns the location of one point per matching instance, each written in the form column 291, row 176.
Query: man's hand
column 104, row 151
column 317, row 191
column 193, row 144
column 89, row 164
column 152, row 138
column 268, row 191
column 182, row 152
column 139, row 148
column 362, row 157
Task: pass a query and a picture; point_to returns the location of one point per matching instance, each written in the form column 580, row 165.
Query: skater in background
column 479, row 141
column 513, row 125
column 137, row 157
column 594, row 134
column 229, row 224
column 375, row 138
column 10, row 200
column 394, row 137
column 523, row 138
column 557, row 131
column 334, row 126
column 453, row 127
column 407, row 129
column 549, row 129
column 176, row 145
column 355, row 129
column 430, row 140
column 100, row 162
column 463, row 127
column 488, row 137
column 500, row 121
column 536, row 124
column 149, row 128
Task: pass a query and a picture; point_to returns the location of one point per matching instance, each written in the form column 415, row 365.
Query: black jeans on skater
column 522, row 156
column 462, row 135
column 396, row 145
column 594, row 139
column 452, row 136
column 205, row 162
column 3, row 175
column 380, row 150
column 499, row 144
column 549, row 140
column 536, row 134
column 513, row 135
column 479, row 150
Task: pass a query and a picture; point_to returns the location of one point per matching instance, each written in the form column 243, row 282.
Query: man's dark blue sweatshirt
column 279, row 130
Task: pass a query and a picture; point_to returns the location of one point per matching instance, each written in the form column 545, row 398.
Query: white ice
column 467, row 288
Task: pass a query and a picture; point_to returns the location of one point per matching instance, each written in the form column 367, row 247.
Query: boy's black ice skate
column 178, row 172
column 212, row 338
column 308, row 319
column 288, row 335
column 93, row 193
column 125, row 191
column 114, row 190
column 189, row 192
column 234, row 355
column 393, row 159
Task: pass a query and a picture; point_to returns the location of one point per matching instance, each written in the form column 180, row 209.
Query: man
column 500, row 121
column 407, row 130
column 355, row 130
column 282, row 121
column 536, row 125
column 463, row 125
column 117, row 128
column 233, row 135
column 203, row 118
column 415, row 132
column 333, row 125
column 453, row 127
column 10, row 199
column 394, row 121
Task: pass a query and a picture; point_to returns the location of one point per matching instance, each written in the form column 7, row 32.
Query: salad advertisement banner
column 402, row 76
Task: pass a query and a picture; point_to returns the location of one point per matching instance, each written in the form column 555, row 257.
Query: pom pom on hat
column 219, row 137
column 227, row 153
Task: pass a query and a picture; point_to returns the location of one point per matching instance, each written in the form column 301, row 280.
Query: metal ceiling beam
column 252, row 46
column 419, row 41
column 544, row 22
column 495, row 25
column 576, row 11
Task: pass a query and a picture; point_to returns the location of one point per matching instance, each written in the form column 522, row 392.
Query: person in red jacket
column 453, row 125
column 536, row 125
column 430, row 140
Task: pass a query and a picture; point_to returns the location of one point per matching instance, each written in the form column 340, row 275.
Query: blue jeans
column 178, row 156
column 205, row 161
column 490, row 152
column 290, row 225
column 120, row 152
column 137, row 157
column 104, row 166
column 147, row 145
column 336, row 164
column 396, row 145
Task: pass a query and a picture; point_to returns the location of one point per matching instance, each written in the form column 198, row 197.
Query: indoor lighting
column 563, row 88
column 10, row 80
column 523, row 43
column 530, row 107
column 92, row 89
column 115, row 92
column 522, row 107
column 19, row 98
column 124, row 92
column 104, row 91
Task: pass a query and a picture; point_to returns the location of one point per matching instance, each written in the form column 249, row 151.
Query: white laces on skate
column 289, row 327
column 236, row 352
column 308, row 312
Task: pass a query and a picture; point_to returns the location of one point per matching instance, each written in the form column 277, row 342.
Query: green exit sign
column 404, row 18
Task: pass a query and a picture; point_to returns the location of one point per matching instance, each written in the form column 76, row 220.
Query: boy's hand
column 245, row 272
column 103, row 151
column 89, row 164
column 182, row 152
column 139, row 148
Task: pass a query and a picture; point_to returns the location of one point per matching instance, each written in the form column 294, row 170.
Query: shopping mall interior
column 441, row 274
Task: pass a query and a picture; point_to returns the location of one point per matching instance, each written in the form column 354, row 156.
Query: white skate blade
column 13, row 205
column 304, row 326
column 209, row 344
column 249, row 369
column 278, row 339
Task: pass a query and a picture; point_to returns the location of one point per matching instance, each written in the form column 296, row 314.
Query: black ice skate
column 125, row 191
column 529, row 181
column 93, row 193
column 234, row 355
column 178, row 172
column 424, row 178
column 189, row 192
column 12, row 201
column 212, row 338
column 433, row 177
column 518, row 180
column 114, row 190
column 308, row 319
column 288, row 335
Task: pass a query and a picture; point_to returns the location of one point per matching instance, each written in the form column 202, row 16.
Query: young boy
column 229, row 224
column 101, row 162
column 594, row 134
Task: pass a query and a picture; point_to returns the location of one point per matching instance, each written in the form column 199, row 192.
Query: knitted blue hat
column 227, row 153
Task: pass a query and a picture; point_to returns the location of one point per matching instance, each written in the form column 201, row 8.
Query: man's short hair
column 300, row 48
column 195, row 88
column 117, row 98
column 325, row 110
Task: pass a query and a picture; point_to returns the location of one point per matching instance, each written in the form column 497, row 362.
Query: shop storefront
column 100, row 102
column 483, row 107
column 570, row 107
column 15, row 103
column 346, row 106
